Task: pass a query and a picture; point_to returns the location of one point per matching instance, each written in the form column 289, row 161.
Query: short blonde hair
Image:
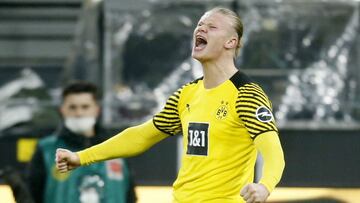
column 237, row 23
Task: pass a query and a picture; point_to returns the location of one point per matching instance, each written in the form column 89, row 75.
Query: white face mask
column 80, row 125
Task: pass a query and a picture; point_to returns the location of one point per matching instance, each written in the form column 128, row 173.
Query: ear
column 61, row 109
column 98, row 110
column 231, row 43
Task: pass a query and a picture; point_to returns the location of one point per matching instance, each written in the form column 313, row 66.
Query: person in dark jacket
column 108, row 182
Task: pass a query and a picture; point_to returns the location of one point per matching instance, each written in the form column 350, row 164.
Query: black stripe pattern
column 168, row 120
column 251, row 100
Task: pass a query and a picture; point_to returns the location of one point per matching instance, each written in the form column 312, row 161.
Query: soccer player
column 225, row 119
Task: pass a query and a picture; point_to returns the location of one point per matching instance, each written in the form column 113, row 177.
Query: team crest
column 222, row 111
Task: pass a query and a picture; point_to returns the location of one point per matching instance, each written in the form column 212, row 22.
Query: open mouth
column 200, row 42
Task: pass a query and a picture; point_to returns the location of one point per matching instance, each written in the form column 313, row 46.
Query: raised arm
column 130, row 142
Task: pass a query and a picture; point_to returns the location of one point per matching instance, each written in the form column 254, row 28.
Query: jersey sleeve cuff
column 83, row 158
column 269, row 187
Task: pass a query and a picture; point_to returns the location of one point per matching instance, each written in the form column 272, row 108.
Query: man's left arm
column 268, row 144
column 256, row 112
column 270, row 148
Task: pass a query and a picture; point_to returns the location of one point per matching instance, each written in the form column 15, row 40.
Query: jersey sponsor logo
column 222, row 111
column 263, row 114
column 198, row 139
column 114, row 169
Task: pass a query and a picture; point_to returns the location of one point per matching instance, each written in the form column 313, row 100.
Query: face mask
column 80, row 125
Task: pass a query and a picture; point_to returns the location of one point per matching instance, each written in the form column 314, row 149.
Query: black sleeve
column 131, row 196
column 36, row 176
column 131, row 193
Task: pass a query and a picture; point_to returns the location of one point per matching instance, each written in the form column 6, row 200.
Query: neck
column 217, row 72
column 89, row 133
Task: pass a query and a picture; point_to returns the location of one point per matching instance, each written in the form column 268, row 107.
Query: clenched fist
column 66, row 160
column 254, row 193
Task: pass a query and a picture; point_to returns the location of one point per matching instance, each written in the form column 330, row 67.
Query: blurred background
column 304, row 53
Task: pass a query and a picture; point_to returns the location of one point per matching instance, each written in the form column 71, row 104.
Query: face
column 213, row 36
column 79, row 106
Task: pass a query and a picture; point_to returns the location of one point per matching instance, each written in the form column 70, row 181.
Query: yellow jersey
column 219, row 126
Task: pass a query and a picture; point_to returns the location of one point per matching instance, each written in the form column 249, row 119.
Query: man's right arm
column 130, row 142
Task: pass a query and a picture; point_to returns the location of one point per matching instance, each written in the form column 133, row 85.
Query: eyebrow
column 206, row 23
